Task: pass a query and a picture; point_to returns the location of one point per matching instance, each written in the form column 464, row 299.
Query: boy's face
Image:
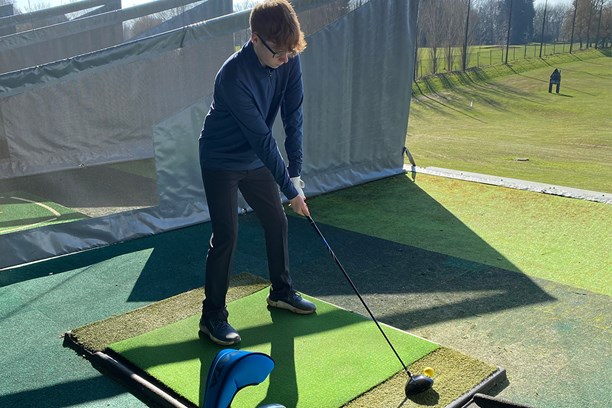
column 267, row 53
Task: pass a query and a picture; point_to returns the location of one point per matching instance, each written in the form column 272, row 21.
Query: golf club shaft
column 350, row 281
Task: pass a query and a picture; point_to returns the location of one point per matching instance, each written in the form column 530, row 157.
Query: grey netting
column 113, row 134
column 100, row 28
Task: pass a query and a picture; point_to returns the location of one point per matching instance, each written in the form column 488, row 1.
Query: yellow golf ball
column 428, row 371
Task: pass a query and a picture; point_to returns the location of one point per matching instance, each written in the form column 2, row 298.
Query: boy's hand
column 298, row 204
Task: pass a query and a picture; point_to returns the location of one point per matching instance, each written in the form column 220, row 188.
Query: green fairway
column 510, row 126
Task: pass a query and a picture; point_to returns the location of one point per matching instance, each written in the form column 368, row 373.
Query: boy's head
column 276, row 23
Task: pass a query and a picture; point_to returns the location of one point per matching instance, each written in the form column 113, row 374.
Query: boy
column 238, row 152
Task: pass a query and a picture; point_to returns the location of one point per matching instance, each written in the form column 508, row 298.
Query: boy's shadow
column 283, row 387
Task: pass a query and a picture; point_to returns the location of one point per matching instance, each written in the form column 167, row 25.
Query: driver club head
column 418, row 384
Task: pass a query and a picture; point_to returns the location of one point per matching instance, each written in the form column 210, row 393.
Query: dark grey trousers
column 260, row 191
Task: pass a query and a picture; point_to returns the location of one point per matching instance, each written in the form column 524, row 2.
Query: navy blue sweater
column 237, row 131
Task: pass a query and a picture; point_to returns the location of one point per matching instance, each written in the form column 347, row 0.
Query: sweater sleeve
column 251, row 121
column 293, row 119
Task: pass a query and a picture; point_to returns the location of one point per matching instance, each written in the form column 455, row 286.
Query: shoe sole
column 205, row 331
column 283, row 305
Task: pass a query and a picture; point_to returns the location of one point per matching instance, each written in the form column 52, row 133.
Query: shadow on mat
column 412, row 287
column 409, row 286
column 283, row 382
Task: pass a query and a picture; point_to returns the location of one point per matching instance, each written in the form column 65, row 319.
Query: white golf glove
column 299, row 185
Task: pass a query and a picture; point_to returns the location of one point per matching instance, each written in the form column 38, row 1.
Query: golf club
column 416, row 383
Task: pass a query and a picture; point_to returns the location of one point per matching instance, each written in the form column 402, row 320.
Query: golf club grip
column 350, row 281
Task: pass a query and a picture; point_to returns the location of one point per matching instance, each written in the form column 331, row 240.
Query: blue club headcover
column 232, row 370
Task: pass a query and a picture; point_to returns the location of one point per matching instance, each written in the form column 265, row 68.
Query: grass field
column 504, row 122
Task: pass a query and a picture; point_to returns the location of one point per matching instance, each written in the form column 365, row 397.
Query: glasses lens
column 277, row 54
column 288, row 54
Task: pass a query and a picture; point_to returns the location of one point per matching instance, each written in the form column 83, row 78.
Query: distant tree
column 553, row 26
column 606, row 28
column 523, row 13
column 603, row 23
column 556, row 16
column 453, row 26
column 431, row 15
column 143, row 24
column 584, row 20
column 29, row 8
column 470, row 22
column 485, row 31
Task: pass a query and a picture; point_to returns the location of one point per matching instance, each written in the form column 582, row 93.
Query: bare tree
column 467, row 36
column 605, row 30
column 555, row 16
column 600, row 4
column 584, row 11
column 143, row 24
column 430, row 16
column 483, row 30
column 453, row 24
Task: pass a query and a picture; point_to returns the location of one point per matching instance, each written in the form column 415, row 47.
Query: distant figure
column 555, row 78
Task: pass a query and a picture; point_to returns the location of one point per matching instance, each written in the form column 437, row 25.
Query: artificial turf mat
column 322, row 360
column 544, row 236
column 22, row 210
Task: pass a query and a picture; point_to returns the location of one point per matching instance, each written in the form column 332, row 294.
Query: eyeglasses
column 277, row 54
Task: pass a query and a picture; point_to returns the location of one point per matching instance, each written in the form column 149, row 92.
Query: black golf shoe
column 293, row 302
column 219, row 331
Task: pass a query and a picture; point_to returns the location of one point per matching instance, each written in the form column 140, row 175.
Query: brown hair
column 277, row 22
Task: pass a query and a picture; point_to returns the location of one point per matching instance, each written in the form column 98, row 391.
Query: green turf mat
column 322, row 360
column 555, row 238
column 162, row 337
column 22, row 211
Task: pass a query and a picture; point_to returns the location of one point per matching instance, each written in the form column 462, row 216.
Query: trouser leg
column 221, row 189
column 260, row 191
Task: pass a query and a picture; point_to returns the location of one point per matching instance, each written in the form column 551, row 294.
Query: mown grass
column 502, row 121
